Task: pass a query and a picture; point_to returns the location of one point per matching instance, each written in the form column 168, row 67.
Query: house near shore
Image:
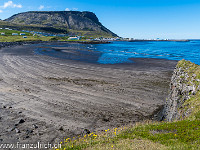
column 22, row 34
column 3, row 34
column 73, row 38
column 14, row 33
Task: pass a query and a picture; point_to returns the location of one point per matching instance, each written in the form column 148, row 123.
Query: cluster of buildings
column 13, row 34
column 35, row 33
column 107, row 39
column 75, row 37
column 94, row 39
column 43, row 33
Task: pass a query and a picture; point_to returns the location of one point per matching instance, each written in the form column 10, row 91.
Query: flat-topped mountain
column 70, row 20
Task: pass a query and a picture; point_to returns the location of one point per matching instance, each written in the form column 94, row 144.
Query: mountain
column 72, row 21
column 39, row 28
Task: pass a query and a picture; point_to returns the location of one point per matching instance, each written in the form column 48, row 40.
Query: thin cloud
column 67, row 9
column 73, row 9
column 11, row 5
column 1, row 11
column 41, row 7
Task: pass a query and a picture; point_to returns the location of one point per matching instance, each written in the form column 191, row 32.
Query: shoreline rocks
column 184, row 84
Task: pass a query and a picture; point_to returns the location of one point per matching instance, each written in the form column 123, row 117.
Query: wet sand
column 58, row 98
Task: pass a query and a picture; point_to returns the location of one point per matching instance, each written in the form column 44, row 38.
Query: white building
column 22, row 34
column 2, row 33
column 73, row 38
column 14, row 33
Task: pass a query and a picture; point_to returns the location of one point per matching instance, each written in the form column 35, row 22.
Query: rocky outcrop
column 184, row 85
column 75, row 20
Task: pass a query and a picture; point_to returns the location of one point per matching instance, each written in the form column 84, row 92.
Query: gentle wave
column 121, row 52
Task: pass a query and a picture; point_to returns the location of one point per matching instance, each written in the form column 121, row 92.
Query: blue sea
column 120, row 51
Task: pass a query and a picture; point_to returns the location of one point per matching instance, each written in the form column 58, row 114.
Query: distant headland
column 59, row 22
column 167, row 40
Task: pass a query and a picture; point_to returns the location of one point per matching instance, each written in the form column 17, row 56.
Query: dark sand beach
column 46, row 99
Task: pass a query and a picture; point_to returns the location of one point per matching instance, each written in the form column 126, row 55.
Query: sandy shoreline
column 61, row 98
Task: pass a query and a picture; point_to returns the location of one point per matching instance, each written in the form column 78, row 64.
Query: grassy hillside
column 53, row 30
column 66, row 20
column 38, row 28
column 8, row 37
column 9, row 32
column 178, row 135
column 20, row 38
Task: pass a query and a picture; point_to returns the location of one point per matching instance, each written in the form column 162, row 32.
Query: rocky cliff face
column 184, row 85
column 61, row 19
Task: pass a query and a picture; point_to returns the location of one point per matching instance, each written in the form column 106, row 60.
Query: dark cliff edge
column 183, row 100
column 69, row 20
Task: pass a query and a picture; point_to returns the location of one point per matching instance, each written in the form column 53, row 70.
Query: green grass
column 20, row 38
column 182, row 135
column 179, row 135
column 9, row 32
column 192, row 69
column 39, row 28
column 191, row 105
column 8, row 37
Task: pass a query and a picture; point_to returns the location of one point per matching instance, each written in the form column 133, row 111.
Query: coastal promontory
column 74, row 22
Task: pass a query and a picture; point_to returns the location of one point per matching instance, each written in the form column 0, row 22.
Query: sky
column 142, row 19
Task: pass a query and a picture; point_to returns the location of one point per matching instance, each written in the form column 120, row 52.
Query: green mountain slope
column 74, row 22
column 39, row 28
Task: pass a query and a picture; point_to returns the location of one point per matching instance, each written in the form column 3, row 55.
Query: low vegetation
column 6, row 36
column 54, row 30
column 182, row 134
column 192, row 69
column 20, row 38
column 37, row 28
column 192, row 105
column 9, row 32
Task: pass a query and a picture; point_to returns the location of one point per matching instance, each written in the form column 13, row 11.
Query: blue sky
column 127, row 18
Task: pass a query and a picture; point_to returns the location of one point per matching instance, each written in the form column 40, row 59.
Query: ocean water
column 120, row 51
